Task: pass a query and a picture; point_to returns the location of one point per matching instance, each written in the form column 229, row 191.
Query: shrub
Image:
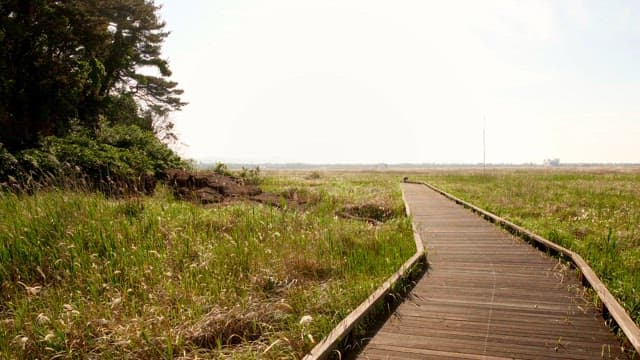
column 120, row 159
column 222, row 169
column 38, row 162
column 314, row 175
column 135, row 139
column 250, row 176
column 8, row 164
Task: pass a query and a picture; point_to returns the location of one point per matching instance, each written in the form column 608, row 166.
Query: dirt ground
column 208, row 188
column 212, row 188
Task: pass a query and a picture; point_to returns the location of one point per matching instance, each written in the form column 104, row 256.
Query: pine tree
column 82, row 59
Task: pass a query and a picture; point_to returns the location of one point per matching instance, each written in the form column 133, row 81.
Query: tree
column 81, row 59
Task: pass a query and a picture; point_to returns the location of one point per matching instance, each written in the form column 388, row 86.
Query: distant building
column 552, row 162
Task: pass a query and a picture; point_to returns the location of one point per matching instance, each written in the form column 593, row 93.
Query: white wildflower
column 306, row 320
column 42, row 319
column 116, row 301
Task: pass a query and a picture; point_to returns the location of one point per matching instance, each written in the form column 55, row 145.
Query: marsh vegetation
column 83, row 275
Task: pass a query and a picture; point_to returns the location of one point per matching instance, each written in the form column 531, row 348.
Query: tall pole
column 484, row 146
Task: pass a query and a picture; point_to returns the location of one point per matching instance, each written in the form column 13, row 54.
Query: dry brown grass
column 303, row 268
column 231, row 326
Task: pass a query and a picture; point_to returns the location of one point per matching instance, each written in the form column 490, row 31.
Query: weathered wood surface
column 327, row 346
column 609, row 302
column 488, row 295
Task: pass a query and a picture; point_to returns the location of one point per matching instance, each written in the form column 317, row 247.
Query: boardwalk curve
column 487, row 295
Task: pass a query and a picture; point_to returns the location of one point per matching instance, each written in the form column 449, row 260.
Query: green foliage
column 38, row 163
column 125, row 109
column 8, row 164
column 138, row 141
column 96, row 277
column 81, row 59
column 122, row 158
column 222, row 169
column 314, row 175
column 250, row 176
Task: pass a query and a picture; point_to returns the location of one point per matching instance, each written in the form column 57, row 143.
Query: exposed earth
column 211, row 188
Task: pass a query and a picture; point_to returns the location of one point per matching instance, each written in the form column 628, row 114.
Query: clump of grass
column 231, row 326
column 304, row 268
column 373, row 213
column 596, row 214
column 302, row 195
column 132, row 208
column 152, row 277
column 314, row 175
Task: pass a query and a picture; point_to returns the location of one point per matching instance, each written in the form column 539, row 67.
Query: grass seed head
column 226, row 327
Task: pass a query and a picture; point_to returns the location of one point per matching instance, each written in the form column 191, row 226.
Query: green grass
column 596, row 214
column 86, row 276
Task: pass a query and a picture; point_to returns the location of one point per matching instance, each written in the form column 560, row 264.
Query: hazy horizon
column 413, row 82
column 251, row 162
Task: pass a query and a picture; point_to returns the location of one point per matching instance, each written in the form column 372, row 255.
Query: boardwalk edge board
column 327, row 346
column 609, row 302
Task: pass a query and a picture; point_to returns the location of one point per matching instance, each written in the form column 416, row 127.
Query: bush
column 315, row 175
column 8, row 164
column 38, row 163
column 135, row 139
column 250, row 176
column 120, row 159
column 222, row 169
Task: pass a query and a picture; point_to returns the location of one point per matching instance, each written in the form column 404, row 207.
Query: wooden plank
column 532, row 320
column 617, row 312
column 327, row 345
column 505, row 338
column 486, row 295
column 484, row 347
column 396, row 352
column 568, row 331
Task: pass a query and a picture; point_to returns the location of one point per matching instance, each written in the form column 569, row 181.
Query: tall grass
column 596, row 214
column 86, row 276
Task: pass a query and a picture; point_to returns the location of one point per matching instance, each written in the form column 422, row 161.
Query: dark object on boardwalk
column 405, row 179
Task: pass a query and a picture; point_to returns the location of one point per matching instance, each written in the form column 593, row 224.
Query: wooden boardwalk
column 487, row 295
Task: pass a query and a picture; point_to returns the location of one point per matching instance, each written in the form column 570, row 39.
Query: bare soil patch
column 212, row 188
column 372, row 213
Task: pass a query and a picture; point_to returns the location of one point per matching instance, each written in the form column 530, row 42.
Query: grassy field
column 83, row 276
column 594, row 213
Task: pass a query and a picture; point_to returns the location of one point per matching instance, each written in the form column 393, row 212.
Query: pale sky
column 364, row 81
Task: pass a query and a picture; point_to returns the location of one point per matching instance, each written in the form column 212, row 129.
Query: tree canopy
column 77, row 61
